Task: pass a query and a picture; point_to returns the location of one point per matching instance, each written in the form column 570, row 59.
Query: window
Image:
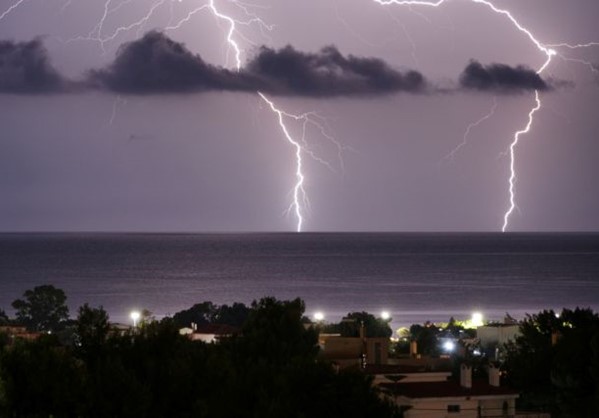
column 453, row 408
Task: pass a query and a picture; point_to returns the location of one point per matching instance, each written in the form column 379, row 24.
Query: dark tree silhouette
column 92, row 329
column 551, row 363
column 350, row 326
column 42, row 308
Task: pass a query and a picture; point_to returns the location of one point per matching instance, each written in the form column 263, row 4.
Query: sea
column 417, row 277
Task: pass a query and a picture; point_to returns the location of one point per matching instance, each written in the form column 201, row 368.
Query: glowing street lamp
column 449, row 346
column 477, row 319
column 135, row 315
column 385, row 315
column 318, row 316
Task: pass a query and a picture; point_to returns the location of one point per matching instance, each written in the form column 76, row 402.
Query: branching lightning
column 473, row 125
column 10, row 9
column 512, row 179
column 232, row 23
column 590, row 65
column 301, row 145
column 96, row 34
column 573, row 46
column 300, row 198
column 299, row 193
column 549, row 53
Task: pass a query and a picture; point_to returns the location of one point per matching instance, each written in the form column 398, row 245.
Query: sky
column 134, row 115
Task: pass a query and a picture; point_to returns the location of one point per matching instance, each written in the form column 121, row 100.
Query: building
column 497, row 334
column 435, row 395
column 16, row 332
column 209, row 333
column 354, row 351
column 493, row 337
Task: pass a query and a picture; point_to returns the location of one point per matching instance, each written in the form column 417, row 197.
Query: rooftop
column 446, row 389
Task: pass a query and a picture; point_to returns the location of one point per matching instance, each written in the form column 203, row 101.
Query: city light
column 135, row 315
column 319, row 316
column 449, row 346
column 477, row 319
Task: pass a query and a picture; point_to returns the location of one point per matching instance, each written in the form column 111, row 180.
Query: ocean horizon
column 415, row 276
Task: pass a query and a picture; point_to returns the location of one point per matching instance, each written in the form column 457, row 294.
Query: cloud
column 501, row 78
column 25, row 68
column 157, row 64
column 328, row 73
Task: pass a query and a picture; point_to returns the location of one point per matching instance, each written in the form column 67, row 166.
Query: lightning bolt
column 300, row 197
column 573, row 46
column 118, row 101
column 65, row 5
column 586, row 63
column 549, row 53
column 473, row 125
column 512, row 179
column 299, row 193
column 301, row 145
column 95, row 34
column 232, row 23
column 10, row 9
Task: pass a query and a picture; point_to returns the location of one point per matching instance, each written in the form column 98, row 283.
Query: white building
column 497, row 334
column 436, row 396
column 209, row 333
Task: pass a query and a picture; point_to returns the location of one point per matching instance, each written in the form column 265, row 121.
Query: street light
column 449, row 346
column 135, row 315
column 318, row 316
column 477, row 319
column 385, row 315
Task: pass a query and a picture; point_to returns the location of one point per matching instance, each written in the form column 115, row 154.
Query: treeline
column 270, row 369
column 555, row 363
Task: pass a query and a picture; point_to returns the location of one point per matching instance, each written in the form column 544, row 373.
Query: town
column 269, row 359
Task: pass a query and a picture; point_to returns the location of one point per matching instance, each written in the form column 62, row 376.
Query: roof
column 216, row 329
column 394, row 369
column 447, row 389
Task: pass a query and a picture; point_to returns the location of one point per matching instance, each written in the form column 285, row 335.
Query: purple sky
column 92, row 160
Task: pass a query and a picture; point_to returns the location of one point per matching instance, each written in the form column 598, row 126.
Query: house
column 354, row 351
column 15, row 332
column 435, row 395
column 494, row 336
column 393, row 373
column 209, row 333
column 118, row 329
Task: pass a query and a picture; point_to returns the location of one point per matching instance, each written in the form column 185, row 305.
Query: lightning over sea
column 240, row 32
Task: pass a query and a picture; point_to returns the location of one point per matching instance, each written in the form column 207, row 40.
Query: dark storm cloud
column 25, row 68
column 501, row 78
column 157, row 64
column 329, row 73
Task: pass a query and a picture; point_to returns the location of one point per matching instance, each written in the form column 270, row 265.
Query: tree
column 234, row 315
column 92, row 328
column 350, row 326
column 209, row 313
column 3, row 317
column 552, row 362
column 200, row 313
column 274, row 332
column 426, row 338
column 42, row 309
column 41, row 379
